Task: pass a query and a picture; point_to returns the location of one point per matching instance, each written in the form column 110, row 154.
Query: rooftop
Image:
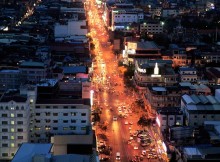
column 27, row 151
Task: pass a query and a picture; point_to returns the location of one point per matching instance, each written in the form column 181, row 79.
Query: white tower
column 156, row 71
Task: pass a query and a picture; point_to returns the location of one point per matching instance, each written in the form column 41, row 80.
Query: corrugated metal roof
column 212, row 99
column 188, row 99
column 195, row 99
column 203, row 99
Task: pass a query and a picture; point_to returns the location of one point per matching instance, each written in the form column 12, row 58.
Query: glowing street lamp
column 91, row 97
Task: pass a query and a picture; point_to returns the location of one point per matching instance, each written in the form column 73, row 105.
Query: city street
column 114, row 100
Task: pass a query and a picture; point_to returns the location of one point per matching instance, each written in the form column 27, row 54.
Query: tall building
column 60, row 110
column 15, row 110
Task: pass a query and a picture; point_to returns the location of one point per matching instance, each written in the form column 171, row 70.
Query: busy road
column 119, row 136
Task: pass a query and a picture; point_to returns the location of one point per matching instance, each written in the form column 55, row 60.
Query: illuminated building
column 144, row 73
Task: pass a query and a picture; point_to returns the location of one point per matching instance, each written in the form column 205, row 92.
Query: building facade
column 188, row 74
column 33, row 71
column 9, row 79
column 15, row 112
column 199, row 108
column 144, row 74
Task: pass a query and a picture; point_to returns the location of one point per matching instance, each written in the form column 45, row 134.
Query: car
column 136, row 147
column 135, row 134
column 118, row 156
column 144, row 153
column 115, row 118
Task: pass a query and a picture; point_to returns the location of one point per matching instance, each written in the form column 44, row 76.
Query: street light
column 91, row 97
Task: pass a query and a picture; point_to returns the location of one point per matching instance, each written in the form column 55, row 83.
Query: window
column 212, row 116
column 47, row 120
column 12, row 137
column 55, row 114
column 195, row 123
column 73, row 107
column 4, row 115
column 22, row 107
column 65, row 114
column 164, row 118
column 72, row 128
column 12, row 145
column 83, row 114
column 20, row 130
column 12, row 130
column 178, row 118
column 4, row 154
column 73, row 121
column 37, row 114
column 4, row 130
column 65, row 128
column 12, row 154
column 17, row 108
column 12, row 122
column 20, row 137
column 55, row 128
column 65, row 107
column 203, row 116
column 4, row 122
column 37, row 107
column 195, row 116
column 37, row 121
column 47, row 107
column 171, row 118
column 4, row 145
column 65, row 121
column 83, row 128
column 12, row 115
column 83, row 121
column 4, row 137
column 47, row 113
column 73, row 113
column 20, row 115
column 55, row 107
column 55, row 121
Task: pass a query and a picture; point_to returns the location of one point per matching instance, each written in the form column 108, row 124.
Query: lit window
column 12, row 115
column 12, row 145
column 12, row 122
column 12, row 130
column 12, row 137
column 65, row 128
column 31, row 100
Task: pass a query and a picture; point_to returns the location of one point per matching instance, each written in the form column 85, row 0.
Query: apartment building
column 59, row 111
column 32, row 71
column 160, row 97
column 197, row 89
column 199, row 108
column 15, row 110
column 151, row 27
column 168, row 117
column 188, row 74
column 70, row 28
column 9, row 79
column 125, row 13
